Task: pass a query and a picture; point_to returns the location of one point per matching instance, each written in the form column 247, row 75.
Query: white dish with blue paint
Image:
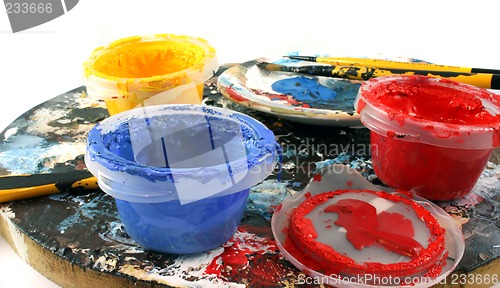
column 300, row 98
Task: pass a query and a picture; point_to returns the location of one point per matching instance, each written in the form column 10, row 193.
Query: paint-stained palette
column 82, row 230
column 318, row 100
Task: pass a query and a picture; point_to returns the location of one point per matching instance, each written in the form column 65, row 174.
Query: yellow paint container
column 149, row 70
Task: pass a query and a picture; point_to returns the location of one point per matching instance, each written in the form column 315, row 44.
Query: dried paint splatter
column 246, row 260
column 250, row 259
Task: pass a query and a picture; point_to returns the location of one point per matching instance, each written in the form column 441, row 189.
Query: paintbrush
column 483, row 80
column 390, row 64
column 15, row 187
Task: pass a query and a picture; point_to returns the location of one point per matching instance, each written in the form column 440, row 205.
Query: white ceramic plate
column 250, row 86
column 337, row 177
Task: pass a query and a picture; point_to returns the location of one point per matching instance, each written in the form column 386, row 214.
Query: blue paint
column 87, row 208
column 306, row 90
column 195, row 201
column 264, row 196
column 342, row 158
column 170, row 227
column 28, row 154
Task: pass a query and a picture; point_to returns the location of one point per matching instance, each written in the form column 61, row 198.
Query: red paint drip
column 349, row 183
column 317, row 178
column 301, row 243
column 279, row 207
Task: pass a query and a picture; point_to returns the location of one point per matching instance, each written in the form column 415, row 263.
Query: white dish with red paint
column 340, row 177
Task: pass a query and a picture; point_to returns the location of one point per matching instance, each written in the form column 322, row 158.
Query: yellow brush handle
column 365, row 73
column 391, row 64
column 15, row 187
column 483, row 80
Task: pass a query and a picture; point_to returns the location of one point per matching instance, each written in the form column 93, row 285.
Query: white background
column 45, row 61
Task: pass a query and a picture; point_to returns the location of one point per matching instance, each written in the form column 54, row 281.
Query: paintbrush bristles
column 270, row 66
column 318, row 70
column 303, row 58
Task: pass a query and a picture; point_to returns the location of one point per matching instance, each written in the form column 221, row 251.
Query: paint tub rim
column 430, row 255
column 385, row 121
column 168, row 87
column 205, row 68
column 104, row 164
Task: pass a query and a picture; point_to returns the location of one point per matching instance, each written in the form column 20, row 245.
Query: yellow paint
column 128, row 71
column 148, row 59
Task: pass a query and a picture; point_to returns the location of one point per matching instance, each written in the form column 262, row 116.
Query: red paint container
column 432, row 136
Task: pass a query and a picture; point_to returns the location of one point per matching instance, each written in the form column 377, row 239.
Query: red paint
column 250, row 258
column 349, row 183
column 431, row 136
column 365, row 228
column 279, row 207
column 416, row 97
column 317, row 178
column 234, row 95
column 433, row 172
column 301, row 235
column 281, row 97
column 391, row 134
column 360, row 104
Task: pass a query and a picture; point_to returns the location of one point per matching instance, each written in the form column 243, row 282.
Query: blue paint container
column 180, row 174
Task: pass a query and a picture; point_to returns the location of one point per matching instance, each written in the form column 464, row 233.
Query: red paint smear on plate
column 282, row 97
column 365, row 228
column 234, row 95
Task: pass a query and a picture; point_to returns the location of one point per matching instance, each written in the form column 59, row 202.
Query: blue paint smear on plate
column 305, row 90
column 320, row 92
